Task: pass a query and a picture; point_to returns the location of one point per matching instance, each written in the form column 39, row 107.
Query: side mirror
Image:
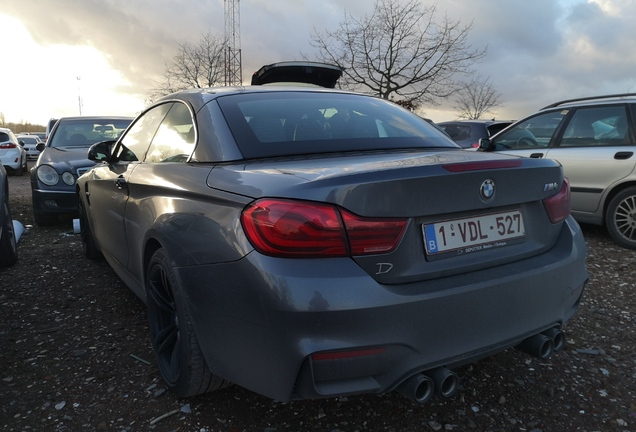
column 101, row 151
column 485, row 145
column 40, row 146
column 21, row 143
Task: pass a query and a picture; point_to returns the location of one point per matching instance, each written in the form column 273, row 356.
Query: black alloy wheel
column 178, row 352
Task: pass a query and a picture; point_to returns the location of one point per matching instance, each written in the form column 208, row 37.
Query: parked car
column 12, row 155
column 49, row 128
column 467, row 133
column 8, row 243
column 64, row 158
column 306, row 242
column 41, row 135
column 298, row 72
column 595, row 141
column 30, row 143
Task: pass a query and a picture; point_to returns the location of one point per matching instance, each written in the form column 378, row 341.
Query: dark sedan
column 308, row 243
column 63, row 159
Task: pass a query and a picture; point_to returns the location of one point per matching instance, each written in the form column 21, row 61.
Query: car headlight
column 48, row 175
column 68, row 178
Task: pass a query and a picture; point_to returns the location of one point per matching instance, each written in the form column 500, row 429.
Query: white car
column 29, row 143
column 12, row 154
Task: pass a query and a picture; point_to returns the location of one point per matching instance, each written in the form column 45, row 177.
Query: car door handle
column 120, row 182
column 623, row 155
column 536, row 155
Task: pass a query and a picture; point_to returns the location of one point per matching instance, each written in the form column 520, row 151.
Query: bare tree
column 476, row 98
column 401, row 51
column 3, row 120
column 197, row 65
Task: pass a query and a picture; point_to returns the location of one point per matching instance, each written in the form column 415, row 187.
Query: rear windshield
column 86, row 132
column 290, row 123
column 4, row 137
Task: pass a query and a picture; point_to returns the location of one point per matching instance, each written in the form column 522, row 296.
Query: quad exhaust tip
column 543, row 345
column 421, row 387
column 444, row 383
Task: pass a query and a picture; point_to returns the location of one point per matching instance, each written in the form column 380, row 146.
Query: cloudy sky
column 109, row 52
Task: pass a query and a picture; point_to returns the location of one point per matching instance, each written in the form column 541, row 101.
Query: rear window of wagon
column 294, row 123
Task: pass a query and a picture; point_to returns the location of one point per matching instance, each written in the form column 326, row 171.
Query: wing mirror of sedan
column 100, row 152
column 40, row 146
column 485, row 145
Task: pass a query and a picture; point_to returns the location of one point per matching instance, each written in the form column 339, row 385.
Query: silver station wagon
column 307, row 242
column 595, row 141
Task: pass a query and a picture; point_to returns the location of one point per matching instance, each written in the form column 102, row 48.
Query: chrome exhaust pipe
column 539, row 345
column 419, row 388
column 446, row 382
column 558, row 338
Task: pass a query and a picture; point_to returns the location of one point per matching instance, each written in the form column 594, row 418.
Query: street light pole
column 79, row 94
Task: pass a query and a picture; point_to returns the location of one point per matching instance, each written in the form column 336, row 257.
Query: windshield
column 291, row 123
column 86, row 132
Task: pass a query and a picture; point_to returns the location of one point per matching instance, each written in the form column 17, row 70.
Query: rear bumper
column 259, row 320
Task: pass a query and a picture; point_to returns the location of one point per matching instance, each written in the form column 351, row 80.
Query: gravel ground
column 75, row 355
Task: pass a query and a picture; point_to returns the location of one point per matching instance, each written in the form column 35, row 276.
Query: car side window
column 535, row 132
column 134, row 144
column 597, row 126
column 175, row 138
column 457, row 132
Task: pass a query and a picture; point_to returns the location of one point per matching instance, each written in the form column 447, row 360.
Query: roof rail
column 590, row 98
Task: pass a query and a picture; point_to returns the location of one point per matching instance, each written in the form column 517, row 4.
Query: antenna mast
column 233, row 70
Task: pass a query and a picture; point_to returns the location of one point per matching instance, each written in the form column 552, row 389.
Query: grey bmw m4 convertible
column 305, row 242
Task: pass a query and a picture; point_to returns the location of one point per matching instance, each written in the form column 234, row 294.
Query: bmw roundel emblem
column 487, row 189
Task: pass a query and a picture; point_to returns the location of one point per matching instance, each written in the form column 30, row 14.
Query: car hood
column 386, row 184
column 71, row 157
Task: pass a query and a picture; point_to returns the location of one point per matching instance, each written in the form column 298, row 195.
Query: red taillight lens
column 559, row 206
column 370, row 235
column 290, row 228
column 8, row 146
column 300, row 229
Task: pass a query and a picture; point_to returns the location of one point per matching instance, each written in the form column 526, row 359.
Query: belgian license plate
column 474, row 233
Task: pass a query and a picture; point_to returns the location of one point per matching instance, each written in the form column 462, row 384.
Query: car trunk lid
column 479, row 209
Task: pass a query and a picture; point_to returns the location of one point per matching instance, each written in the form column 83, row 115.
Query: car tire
column 620, row 218
column 8, row 242
column 174, row 341
column 86, row 235
column 25, row 169
column 19, row 171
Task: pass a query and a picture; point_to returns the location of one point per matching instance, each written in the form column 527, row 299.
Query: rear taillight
column 8, row 145
column 287, row 228
column 559, row 206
